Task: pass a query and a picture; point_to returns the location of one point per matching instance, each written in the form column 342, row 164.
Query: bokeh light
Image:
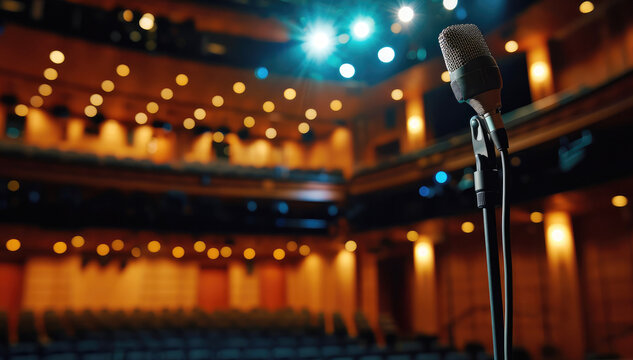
column 123, row 70
column 347, row 70
column 249, row 121
column 268, row 106
column 350, row 245
column 311, row 114
column 167, row 94
column 78, row 241
column 361, row 28
column 117, row 245
column 57, row 57
column 90, row 111
column 586, row 7
column 21, row 110
column 199, row 114
column 239, row 87
column 446, row 76
column 449, row 4
column 412, row 235
column 336, row 105
column 107, row 85
column 218, row 136
column 213, row 253
column 217, row 101
column 397, row 94
column 441, row 177
column 103, row 249
column 386, row 54
column 226, row 251
column 153, row 246
column 178, row 252
column 189, row 123
column 536, row 217
column 50, row 74
column 182, row 79
column 199, row 246
column 271, row 133
column 45, row 90
column 406, row 14
column 261, row 73
column 96, row 99
column 60, row 247
column 279, row 254
column 290, row 94
column 512, row 46
column 249, row 254
column 303, row 127
column 152, row 107
column 136, row 252
column 304, row 250
column 468, row 227
column 13, row 244
column 292, row 245
column 146, row 22
column 619, row 201
column 140, row 118
column 36, row 101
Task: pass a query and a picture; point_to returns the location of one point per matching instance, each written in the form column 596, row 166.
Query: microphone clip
column 486, row 175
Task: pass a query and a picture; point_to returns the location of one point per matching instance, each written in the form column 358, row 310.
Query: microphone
column 475, row 76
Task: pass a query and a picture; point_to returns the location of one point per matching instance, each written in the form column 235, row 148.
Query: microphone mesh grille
column 460, row 44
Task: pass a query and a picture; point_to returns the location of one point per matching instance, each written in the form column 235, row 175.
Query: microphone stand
column 486, row 178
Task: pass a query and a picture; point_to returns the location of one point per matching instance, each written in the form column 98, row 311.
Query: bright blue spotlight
column 347, row 70
column 441, row 177
column 386, row 54
column 424, row 191
column 320, row 41
column 361, row 29
column 261, row 73
column 283, row 207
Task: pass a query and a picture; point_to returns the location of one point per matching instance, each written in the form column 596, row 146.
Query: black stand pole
column 486, row 179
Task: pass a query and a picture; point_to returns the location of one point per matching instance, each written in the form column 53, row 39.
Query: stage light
column 536, row 217
column 60, row 247
column 218, row 137
column 123, row 70
column 336, row 105
column 21, row 110
column 199, row 113
column 468, row 227
column 320, row 41
column 539, row 71
column 512, row 46
column 304, row 127
column 406, row 14
column 351, row 246
column 290, row 94
column 361, row 29
column 249, row 254
column 182, row 79
column 261, row 73
column 251, row 206
column 239, row 87
column 45, row 90
column 283, row 207
column 57, row 57
column 412, row 235
column 311, row 114
column 90, row 111
column 446, row 76
column 136, row 252
column 128, row 15
column 153, row 246
column 78, row 241
column 343, row 38
column 304, row 250
column 386, row 54
column 117, row 245
column 103, row 249
column 152, row 107
column 140, row 118
column 50, row 74
column 619, row 201
column 213, row 253
column 178, row 252
column 96, row 99
column 13, row 185
column 397, row 94
column 271, row 133
column 166, row 94
column 291, row 245
column 441, row 177
column 449, row 4
column 268, row 106
column 279, row 254
column 586, row 7
column 414, row 124
column 347, row 70
column 199, row 246
column 217, row 101
column 396, row 28
column 249, row 121
column 107, row 86
column 189, row 123
column 36, row 101
column 424, row 191
column 13, row 244
column 146, row 22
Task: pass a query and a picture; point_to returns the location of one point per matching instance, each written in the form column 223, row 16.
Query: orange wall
column 213, row 289
column 11, row 291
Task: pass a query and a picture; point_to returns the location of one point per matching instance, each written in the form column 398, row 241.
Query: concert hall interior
column 293, row 179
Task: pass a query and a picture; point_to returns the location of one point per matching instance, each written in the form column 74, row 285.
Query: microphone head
column 461, row 44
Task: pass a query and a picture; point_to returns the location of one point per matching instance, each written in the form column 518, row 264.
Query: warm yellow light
column 539, row 71
column 226, row 251
column 619, row 201
column 103, row 249
column 78, row 241
column 146, row 22
column 304, row 250
column 96, row 99
column 512, row 46
column 586, row 7
column 182, row 79
column 557, row 233
column 336, row 105
column 350, row 245
column 412, row 235
column 536, row 217
column 213, row 253
column 268, row 106
column 166, row 93
column 249, row 121
column 45, row 89
column 57, row 56
column 178, row 252
column 311, row 114
column 152, row 107
column 291, row 245
column 136, row 252
column 36, row 101
column 199, row 113
column 128, row 15
column 117, row 244
column 21, row 110
column 90, row 111
column 397, row 94
column 396, row 28
column 249, row 254
column 13, row 244
column 304, row 127
column 107, row 85
column 123, row 70
column 446, row 76
column 468, row 227
column 153, row 246
column 13, row 185
column 218, row 137
column 50, row 74
column 189, row 123
column 290, row 94
column 60, row 247
column 217, row 101
column 239, row 87
column 271, row 133
column 279, row 254
column 140, row 118
column 199, row 246
column 423, row 252
column 414, row 124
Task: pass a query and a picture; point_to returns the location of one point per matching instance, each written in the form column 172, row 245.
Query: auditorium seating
column 198, row 335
